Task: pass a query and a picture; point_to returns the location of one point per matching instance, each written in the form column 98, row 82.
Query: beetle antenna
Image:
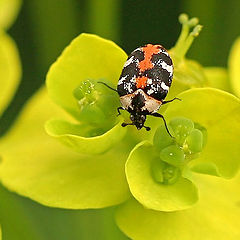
column 161, row 116
column 108, row 86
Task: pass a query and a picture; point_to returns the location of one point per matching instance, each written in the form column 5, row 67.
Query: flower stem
column 186, row 37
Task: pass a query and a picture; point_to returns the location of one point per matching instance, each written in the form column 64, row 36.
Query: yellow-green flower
column 100, row 164
column 226, row 79
column 10, row 67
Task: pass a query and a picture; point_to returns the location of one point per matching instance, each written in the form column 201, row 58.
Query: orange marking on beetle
column 141, row 82
column 148, row 51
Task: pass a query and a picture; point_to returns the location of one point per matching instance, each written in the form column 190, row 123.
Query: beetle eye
column 143, row 117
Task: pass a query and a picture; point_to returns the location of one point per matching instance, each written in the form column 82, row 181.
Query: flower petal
column 10, row 70
column 218, row 78
column 8, row 12
column 215, row 216
column 219, row 113
column 162, row 197
column 234, row 67
column 37, row 166
column 87, row 57
column 67, row 133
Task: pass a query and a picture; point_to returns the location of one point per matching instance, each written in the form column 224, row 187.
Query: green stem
column 183, row 19
column 185, row 39
column 54, row 24
column 104, row 18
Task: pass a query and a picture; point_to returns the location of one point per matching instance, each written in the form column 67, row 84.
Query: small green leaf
column 161, row 138
column 164, row 173
column 97, row 104
column 206, row 168
column 42, row 169
column 218, row 78
column 187, row 74
column 234, row 67
column 195, row 141
column 87, row 57
column 10, row 69
column 162, row 197
column 215, row 216
column 181, row 128
column 173, row 155
column 84, row 138
column 204, row 133
column 219, row 113
column 8, row 12
column 190, row 73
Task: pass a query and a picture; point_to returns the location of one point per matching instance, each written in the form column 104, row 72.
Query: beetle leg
column 118, row 110
column 164, row 102
column 126, row 124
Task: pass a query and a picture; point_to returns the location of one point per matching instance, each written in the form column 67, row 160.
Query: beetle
column 144, row 84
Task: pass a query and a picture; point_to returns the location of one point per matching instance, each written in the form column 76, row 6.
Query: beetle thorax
column 140, row 102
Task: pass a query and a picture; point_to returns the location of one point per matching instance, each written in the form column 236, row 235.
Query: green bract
column 96, row 103
column 104, row 164
column 140, row 223
column 218, row 78
column 73, row 83
column 172, row 155
column 10, row 69
column 44, row 170
column 215, row 216
column 87, row 57
column 234, row 67
column 164, row 173
column 226, row 79
column 8, row 12
column 218, row 112
column 163, row 196
column 157, row 173
column 92, row 142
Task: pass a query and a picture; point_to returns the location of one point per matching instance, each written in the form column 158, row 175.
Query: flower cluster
column 99, row 164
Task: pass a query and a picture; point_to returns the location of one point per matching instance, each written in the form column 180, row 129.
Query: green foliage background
column 43, row 28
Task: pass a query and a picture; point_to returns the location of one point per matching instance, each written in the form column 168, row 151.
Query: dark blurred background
column 42, row 30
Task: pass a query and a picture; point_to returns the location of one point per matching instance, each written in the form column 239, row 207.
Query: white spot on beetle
column 122, row 79
column 165, row 52
column 149, row 81
column 133, row 79
column 167, row 67
column 129, row 61
column 150, row 91
column 128, row 87
column 164, row 86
